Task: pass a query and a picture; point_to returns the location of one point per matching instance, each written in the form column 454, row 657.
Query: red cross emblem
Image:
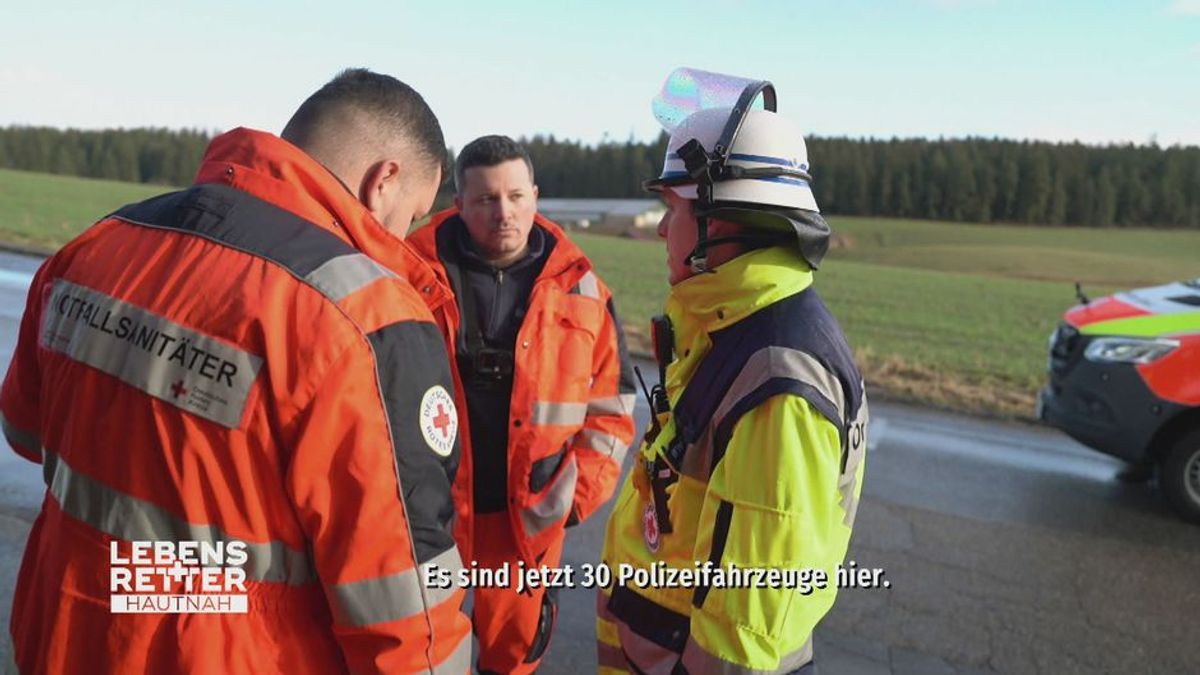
column 178, row 389
column 438, row 420
column 650, row 527
column 442, row 421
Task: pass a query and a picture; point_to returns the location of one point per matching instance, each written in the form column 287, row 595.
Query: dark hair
column 489, row 151
column 395, row 107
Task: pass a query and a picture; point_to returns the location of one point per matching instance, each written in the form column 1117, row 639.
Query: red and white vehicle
column 1125, row 380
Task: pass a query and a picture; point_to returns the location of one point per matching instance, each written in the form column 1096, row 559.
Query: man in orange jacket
column 228, row 377
column 549, row 388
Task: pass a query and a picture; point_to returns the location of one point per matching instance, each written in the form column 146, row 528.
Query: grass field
column 1108, row 257
column 43, row 210
column 951, row 314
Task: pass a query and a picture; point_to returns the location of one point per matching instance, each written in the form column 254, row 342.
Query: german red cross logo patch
column 439, row 420
column 650, row 528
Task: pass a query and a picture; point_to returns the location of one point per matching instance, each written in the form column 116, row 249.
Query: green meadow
column 44, row 211
column 1126, row 258
column 950, row 314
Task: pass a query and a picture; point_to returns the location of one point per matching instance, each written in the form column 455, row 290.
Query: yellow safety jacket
column 759, row 463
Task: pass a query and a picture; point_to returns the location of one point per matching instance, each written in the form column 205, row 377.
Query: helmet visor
column 689, row 90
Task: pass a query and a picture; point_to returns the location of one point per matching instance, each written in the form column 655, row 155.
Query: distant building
column 606, row 216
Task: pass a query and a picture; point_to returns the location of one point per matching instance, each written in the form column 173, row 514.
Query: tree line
column 973, row 179
column 160, row 156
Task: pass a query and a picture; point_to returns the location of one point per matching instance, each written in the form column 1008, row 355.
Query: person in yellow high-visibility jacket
column 749, row 476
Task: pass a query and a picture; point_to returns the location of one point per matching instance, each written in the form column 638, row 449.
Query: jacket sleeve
column 370, row 480
column 796, row 521
column 20, row 405
column 608, row 427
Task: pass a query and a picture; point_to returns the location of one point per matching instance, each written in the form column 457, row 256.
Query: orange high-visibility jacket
column 439, row 298
column 232, row 363
column 572, row 397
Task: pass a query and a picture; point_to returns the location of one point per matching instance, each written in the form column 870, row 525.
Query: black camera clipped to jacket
column 492, row 364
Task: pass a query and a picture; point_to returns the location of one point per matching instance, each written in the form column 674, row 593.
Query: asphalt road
column 1009, row 548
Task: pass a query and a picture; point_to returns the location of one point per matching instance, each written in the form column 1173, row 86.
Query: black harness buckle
column 492, row 364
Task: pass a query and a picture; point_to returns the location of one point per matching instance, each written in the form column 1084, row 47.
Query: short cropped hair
column 489, row 151
column 393, row 110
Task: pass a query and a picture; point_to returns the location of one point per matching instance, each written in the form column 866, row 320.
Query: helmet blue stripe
column 761, row 159
column 669, row 175
column 764, row 159
column 783, row 179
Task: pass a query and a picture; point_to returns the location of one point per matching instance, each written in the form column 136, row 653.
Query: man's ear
column 379, row 179
column 458, row 201
column 535, row 191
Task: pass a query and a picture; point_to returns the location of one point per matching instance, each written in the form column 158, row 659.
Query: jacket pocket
column 544, row 469
column 572, row 333
column 552, row 504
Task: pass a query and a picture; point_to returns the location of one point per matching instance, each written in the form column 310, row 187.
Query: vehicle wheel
column 1180, row 476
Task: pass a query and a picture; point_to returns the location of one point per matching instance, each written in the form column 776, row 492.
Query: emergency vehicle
column 1125, row 380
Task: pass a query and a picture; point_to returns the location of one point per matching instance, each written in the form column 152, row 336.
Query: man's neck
column 509, row 259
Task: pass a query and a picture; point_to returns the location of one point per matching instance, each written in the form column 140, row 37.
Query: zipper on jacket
column 496, row 297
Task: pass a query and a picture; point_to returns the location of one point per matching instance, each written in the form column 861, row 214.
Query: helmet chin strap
column 698, row 258
column 699, row 164
column 709, row 167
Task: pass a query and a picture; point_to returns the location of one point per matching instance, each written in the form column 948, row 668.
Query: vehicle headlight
column 1129, row 350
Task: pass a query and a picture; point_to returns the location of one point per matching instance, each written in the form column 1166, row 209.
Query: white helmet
column 740, row 163
column 766, row 140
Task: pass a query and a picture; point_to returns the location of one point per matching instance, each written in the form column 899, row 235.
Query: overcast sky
column 1095, row 71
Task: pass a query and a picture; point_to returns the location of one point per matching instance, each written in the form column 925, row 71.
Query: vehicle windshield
column 1194, row 283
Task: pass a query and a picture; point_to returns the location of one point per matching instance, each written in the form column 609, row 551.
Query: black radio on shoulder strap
column 659, row 472
column 481, row 363
column 663, row 336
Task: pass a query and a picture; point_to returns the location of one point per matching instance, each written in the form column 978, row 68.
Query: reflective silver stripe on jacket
column 458, row 662
column 20, row 437
column 132, row 519
column 621, row 404
column 338, row 278
column 555, row 502
column 574, row 414
column 766, row 364
column 855, row 449
column 772, row 362
column 398, row 596
column 603, row 443
column 180, row 366
column 697, row 660
column 649, row 657
column 566, row 414
column 588, row 286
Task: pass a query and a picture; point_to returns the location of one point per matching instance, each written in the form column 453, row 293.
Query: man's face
column 679, row 228
column 498, row 204
column 411, row 197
